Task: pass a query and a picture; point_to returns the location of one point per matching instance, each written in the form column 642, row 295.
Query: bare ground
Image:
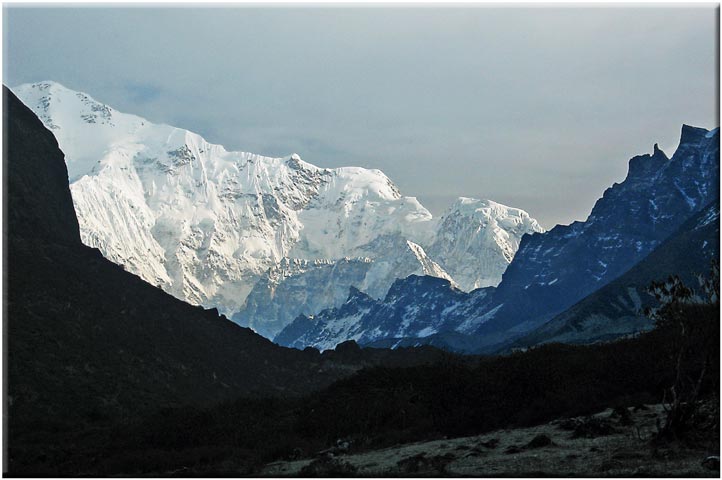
column 608, row 444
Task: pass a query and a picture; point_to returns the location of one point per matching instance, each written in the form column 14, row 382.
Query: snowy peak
column 52, row 100
column 207, row 225
column 198, row 220
column 78, row 122
column 474, row 206
column 487, row 213
column 477, row 239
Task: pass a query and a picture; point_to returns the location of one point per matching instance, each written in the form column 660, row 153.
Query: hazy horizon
column 536, row 108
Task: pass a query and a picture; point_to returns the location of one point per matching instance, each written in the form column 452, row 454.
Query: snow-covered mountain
column 473, row 243
column 206, row 224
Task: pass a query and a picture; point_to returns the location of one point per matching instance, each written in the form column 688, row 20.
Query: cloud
column 142, row 93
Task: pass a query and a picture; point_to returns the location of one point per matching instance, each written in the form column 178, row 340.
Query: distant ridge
column 550, row 271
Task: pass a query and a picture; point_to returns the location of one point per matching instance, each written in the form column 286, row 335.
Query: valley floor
column 604, row 445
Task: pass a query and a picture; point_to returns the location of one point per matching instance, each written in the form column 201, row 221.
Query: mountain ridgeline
column 616, row 309
column 552, row 271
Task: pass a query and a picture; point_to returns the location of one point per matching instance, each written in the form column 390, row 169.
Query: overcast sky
column 538, row 108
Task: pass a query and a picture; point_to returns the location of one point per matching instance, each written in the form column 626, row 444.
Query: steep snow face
column 477, row 239
column 206, row 224
column 370, row 205
column 294, row 287
column 474, row 242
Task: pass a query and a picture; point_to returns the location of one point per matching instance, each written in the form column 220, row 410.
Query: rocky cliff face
column 552, row 271
column 297, row 287
column 617, row 308
column 416, row 306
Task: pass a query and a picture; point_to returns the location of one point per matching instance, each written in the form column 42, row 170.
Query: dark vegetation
column 690, row 342
column 382, row 406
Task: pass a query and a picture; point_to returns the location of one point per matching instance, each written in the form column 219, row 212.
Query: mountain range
column 552, row 271
column 313, row 256
column 262, row 239
column 617, row 308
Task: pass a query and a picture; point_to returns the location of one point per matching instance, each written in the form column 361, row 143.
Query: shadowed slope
column 616, row 309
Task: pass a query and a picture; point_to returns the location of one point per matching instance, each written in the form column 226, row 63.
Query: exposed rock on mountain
column 415, row 306
column 552, row 271
column 617, row 308
column 303, row 287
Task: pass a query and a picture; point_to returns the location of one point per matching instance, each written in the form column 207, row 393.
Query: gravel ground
column 609, row 444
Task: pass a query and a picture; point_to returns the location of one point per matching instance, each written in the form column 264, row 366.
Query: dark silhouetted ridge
column 37, row 178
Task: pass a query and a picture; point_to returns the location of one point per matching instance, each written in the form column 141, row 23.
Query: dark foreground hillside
column 614, row 442
column 384, row 407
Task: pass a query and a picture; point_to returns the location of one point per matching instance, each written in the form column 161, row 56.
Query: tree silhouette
column 688, row 316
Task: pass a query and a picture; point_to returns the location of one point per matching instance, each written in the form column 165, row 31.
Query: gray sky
column 536, row 107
